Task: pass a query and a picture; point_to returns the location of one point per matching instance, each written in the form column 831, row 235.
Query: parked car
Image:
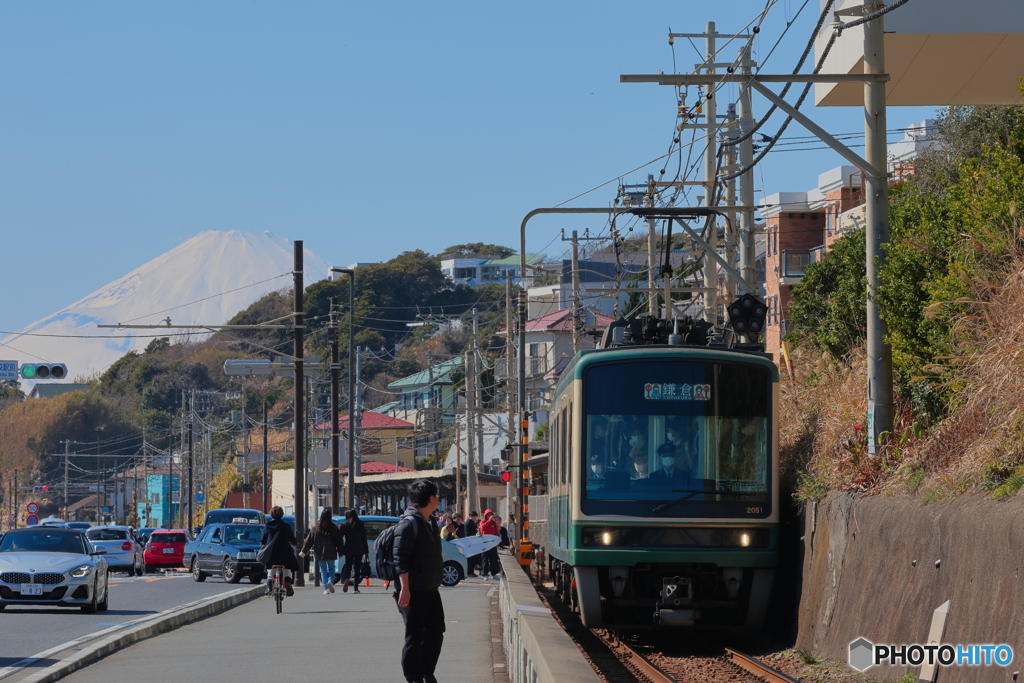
column 166, row 548
column 43, row 565
column 234, row 516
column 455, row 565
column 228, row 550
column 124, row 552
column 81, row 526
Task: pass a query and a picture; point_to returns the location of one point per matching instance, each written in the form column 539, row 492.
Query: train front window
column 692, row 435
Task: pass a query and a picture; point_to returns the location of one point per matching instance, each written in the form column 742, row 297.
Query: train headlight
column 744, row 538
column 606, row 537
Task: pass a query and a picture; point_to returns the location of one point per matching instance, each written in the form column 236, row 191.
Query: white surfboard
column 474, row 545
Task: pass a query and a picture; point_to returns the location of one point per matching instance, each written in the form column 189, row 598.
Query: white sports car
column 52, row 566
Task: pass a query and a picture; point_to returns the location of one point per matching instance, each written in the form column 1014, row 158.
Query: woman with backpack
column 356, row 550
column 325, row 539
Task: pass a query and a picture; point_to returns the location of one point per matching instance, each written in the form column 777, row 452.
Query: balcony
column 794, row 264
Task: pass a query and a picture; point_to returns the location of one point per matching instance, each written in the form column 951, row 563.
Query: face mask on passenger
column 597, row 469
column 634, row 440
column 641, row 469
column 668, row 462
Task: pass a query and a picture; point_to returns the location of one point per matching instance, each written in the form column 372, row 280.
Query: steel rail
column 634, row 659
column 758, row 668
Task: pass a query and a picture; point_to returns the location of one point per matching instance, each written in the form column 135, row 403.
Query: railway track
column 698, row 661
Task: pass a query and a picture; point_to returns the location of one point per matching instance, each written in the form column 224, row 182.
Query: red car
column 166, row 548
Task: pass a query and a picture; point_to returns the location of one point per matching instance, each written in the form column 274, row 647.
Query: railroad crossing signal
column 44, row 371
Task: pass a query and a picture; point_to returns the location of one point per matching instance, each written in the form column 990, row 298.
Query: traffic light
column 44, row 371
column 506, row 476
column 747, row 315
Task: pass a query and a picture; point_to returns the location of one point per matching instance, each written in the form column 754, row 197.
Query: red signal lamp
column 46, row 488
column 506, row 476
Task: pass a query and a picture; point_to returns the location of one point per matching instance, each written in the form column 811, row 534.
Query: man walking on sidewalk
column 417, row 557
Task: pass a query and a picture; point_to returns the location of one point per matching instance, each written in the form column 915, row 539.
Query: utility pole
column 351, row 489
column 189, row 521
column 729, row 195
column 64, row 514
column 748, row 251
column 510, row 419
column 358, row 415
column 266, row 463
column 332, row 340
column 298, row 508
column 577, row 308
column 525, row 548
column 246, row 484
column 478, row 399
column 710, row 178
column 652, row 251
column 14, row 489
column 471, row 479
column 876, row 196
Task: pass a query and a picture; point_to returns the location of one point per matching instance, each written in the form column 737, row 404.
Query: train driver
column 669, row 476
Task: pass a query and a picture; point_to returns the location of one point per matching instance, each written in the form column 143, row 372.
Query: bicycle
column 277, row 588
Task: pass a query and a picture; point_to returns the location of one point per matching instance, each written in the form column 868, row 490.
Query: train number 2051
column 755, row 511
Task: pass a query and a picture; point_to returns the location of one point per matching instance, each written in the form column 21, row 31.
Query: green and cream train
column 663, row 481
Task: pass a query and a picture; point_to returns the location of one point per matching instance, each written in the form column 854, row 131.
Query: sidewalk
column 341, row 637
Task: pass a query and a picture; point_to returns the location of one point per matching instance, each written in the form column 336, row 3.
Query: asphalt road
column 30, row 630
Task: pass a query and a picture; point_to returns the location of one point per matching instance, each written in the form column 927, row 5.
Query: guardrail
column 536, row 647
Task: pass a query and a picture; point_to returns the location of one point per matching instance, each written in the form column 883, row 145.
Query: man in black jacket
column 417, row 557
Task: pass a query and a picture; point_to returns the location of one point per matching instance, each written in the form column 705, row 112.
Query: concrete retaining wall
column 536, row 647
column 860, row 578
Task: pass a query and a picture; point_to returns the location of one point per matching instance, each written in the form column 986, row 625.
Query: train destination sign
column 666, row 391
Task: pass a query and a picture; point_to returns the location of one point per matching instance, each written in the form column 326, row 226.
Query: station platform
column 339, row 637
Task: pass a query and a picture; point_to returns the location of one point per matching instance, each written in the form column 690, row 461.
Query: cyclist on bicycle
column 282, row 553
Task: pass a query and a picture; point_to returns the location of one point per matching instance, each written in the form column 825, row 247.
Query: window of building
column 465, row 273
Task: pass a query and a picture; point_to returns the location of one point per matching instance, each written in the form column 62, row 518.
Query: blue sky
column 364, row 129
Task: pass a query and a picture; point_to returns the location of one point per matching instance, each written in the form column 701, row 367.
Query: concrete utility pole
column 876, row 196
column 332, row 338
column 266, row 465
column 710, row 178
column 577, row 307
column 510, row 354
column 188, row 519
column 66, row 445
column 478, row 400
column 729, row 197
column 652, row 251
column 298, row 508
column 471, row 500
column 748, row 251
column 358, row 414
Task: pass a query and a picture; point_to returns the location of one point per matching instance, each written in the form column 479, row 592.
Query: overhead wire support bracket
column 715, row 79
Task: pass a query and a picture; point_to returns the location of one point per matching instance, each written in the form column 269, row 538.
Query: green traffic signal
column 44, row 371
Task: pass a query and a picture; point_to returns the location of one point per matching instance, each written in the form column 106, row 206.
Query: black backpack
column 384, row 551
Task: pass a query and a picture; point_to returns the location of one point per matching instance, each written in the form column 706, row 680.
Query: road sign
column 200, row 498
column 31, row 520
column 8, row 370
column 10, row 519
column 32, row 508
column 10, row 523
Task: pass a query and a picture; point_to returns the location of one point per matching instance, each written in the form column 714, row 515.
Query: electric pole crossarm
column 729, row 270
column 715, row 79
column 810, row 125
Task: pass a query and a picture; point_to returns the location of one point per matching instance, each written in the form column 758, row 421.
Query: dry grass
column 978, row 446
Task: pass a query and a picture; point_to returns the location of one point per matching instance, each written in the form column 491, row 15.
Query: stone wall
column 860, row 577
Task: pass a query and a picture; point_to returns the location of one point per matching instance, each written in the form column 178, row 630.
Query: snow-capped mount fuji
column 207, row 280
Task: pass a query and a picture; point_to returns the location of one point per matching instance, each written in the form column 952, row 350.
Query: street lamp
column 351, row 497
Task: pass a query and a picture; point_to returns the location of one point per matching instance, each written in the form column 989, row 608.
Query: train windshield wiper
column 690, row 493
